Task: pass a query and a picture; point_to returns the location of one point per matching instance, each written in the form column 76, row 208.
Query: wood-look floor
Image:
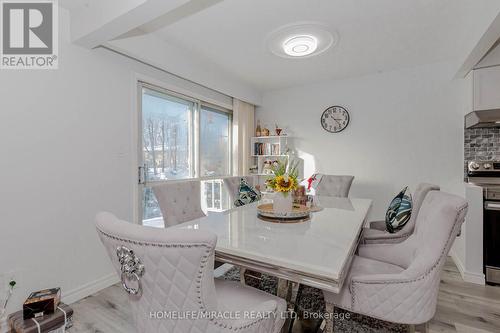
column 462, row 307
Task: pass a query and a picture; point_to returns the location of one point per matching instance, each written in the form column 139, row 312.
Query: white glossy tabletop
column 320, row 246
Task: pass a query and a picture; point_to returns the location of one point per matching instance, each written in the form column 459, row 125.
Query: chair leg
column 422, row 328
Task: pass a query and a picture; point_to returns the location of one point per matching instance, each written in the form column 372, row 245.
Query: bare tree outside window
column 166, row 131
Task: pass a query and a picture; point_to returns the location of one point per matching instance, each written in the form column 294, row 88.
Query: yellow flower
column 285, row 185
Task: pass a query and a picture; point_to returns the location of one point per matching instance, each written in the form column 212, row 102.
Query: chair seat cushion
column 374, row 233
column 234, row 296
column 374, row 236
column 378, row 225
column 360, row 266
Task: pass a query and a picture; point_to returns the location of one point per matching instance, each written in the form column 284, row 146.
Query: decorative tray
column 315, row 209
column 300, row 213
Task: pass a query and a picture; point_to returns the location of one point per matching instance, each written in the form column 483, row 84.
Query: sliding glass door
column 181, row 138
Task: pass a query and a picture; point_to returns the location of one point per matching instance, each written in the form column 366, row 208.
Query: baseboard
column 476, row 278
column 90, row 288
column 458, row 262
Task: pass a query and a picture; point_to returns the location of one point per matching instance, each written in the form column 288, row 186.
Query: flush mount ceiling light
column 301, row 40
column 300, row 46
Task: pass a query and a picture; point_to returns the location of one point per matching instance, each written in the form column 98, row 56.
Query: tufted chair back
column 168, row 274
column 179, row 201
column 177, row 276
column 377, row 232
column 411, row 296
column 232, row 185
column 334, row 186
column 418, row 199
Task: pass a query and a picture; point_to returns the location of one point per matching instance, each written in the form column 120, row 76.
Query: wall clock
column 335, row 119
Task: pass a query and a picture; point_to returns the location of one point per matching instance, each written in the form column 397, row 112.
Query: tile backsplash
column 482, row 144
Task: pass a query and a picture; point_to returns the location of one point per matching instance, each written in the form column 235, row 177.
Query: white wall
column 67, row 152
column 406, row 128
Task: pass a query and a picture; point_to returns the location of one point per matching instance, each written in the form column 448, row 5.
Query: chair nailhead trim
column 436, row 264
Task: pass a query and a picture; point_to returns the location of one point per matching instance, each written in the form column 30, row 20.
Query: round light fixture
column 300, row 45
column 301, row 40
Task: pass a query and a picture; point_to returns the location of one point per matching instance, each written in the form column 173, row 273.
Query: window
column 166, row 131
column 182, row 138
column 214, row 142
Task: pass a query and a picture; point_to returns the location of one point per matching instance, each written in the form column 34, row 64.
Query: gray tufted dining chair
column 334, row 186
column 169, row 273
column 400, row 282
column 179, row 201
column 377, row 232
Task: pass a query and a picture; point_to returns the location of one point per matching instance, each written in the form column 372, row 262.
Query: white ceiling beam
column 102, row 21
column 492, row 58
column 482, row 48
column 188, row 9
column 185, row 10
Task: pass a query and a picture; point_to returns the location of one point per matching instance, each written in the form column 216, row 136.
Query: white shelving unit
column 268, row 148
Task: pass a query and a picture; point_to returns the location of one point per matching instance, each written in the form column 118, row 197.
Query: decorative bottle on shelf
column 265, row 131
column 258, row 131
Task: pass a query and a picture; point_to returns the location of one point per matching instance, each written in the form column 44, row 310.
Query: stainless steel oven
column 491, row 236
column 487, row 175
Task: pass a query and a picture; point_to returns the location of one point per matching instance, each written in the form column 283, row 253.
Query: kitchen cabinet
column 486, row 88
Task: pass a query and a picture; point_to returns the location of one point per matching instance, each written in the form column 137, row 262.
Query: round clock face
column 335, row 119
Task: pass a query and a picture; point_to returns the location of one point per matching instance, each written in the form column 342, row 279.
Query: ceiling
column 74, row 5
column 375, row 36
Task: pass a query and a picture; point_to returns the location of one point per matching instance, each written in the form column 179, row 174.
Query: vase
column 282, row 203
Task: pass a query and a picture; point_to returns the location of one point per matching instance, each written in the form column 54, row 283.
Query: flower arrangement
column 285, row 176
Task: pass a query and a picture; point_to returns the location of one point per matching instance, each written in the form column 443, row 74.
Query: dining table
column 316, row 252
